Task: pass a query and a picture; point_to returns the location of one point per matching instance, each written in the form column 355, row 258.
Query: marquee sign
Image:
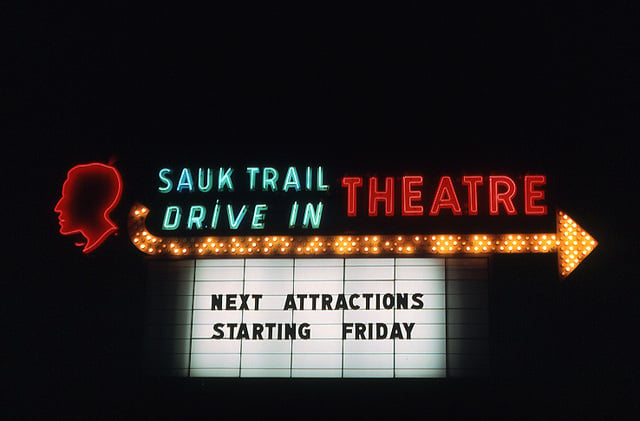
column 265, row 271
column 317, row 317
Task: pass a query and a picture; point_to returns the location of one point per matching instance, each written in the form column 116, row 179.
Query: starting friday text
column 287, row 331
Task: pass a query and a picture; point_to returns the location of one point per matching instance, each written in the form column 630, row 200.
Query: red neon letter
column 445, row 188
column 531, row 195
column 409, row 195
column 472, row 182
column 385, row 196
column 506, row 197
column 352, row 184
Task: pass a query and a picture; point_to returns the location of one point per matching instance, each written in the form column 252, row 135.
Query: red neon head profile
column 89, row 194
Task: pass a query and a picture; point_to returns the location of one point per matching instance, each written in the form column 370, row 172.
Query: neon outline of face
column 100, row 226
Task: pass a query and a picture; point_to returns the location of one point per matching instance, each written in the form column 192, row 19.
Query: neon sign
column 501, row 193
column 215, row 215
column 266, row 177
column 89, row 194
column 241, row 248
column 409, row 197
column 502, row 190
column 292, row 200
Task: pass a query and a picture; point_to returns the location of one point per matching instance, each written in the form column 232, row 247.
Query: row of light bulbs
column 575, row 244
column 571, row 242
column 339, row 244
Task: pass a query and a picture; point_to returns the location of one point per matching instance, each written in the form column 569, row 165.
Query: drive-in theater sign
column 310, row 271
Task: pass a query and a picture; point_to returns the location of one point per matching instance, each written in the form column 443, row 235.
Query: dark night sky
column 442, row 89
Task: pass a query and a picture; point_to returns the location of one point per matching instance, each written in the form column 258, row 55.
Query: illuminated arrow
column 570, row 241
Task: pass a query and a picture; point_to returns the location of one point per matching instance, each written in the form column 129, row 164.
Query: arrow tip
column 575, row 244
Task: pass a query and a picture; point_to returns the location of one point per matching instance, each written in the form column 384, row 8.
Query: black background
column 443, row 89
